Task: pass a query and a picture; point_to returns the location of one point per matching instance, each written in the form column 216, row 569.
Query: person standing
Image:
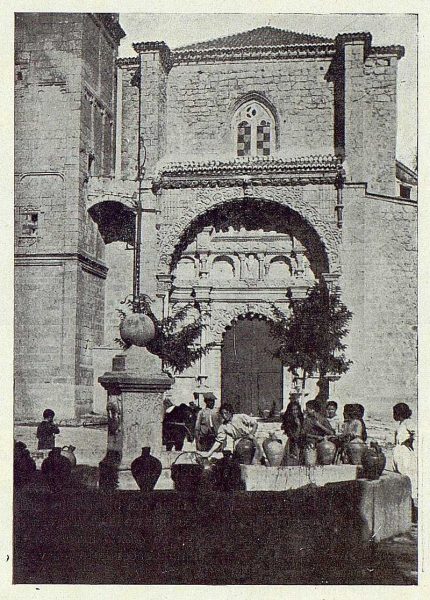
column 47, row 430
column 405, row 460
column 332, row 416
column 207, row 423
column 315, row 425
column 292, row 424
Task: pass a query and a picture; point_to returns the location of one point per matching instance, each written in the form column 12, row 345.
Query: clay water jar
column 187, row 472
column 244, row 451
column 354, row 451
column 326, row 452
column 274, row 450
column 146, row 470
column 373, row 461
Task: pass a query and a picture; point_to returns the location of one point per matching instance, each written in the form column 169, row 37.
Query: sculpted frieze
column 169, row 236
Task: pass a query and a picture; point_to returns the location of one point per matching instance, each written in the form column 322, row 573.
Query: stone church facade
column 252, row 166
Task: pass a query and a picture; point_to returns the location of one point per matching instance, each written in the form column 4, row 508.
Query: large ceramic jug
column 187, row 472
column 244, row 451
column 274, row 449
column 68, row 452
column 226, row 473
column 326, row 452
column 373, row 461
column 146, row 470
column 354, row 450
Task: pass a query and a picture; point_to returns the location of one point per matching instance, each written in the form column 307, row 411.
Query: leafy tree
column 177, row 346
column 311, row 336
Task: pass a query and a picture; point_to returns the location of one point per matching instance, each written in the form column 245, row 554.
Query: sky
column 180, row 29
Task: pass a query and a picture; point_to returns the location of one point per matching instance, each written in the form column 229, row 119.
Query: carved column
column 202, row 296
column 203, row 249
column 203, row 266
column 242, row 272
column 260, row 257
column 164, row 284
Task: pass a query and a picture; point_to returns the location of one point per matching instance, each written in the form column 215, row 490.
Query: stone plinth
column 135, row 409
column 279, row 479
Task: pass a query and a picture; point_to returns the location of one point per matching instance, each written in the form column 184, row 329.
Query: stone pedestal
column 135, row 389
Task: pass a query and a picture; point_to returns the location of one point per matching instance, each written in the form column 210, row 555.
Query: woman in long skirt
column 405, row 459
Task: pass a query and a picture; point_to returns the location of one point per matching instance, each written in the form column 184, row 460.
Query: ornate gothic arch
column 169, row 236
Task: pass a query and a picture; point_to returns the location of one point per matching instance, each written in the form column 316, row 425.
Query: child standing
column 332, row 416
column 46, row 431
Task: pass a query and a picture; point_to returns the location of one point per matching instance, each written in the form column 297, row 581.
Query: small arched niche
column 279, row 268
column 185, row 269
column 223, row 268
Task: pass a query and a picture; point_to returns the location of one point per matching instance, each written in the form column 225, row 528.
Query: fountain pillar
column 135, row 390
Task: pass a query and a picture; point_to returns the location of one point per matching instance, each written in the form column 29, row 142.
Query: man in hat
column 207, row 423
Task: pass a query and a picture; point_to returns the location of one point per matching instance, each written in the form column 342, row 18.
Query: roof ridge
column 215, row 41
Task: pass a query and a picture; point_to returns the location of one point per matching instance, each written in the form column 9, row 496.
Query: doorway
column 251, row 377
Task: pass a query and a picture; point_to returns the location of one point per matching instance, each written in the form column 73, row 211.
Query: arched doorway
column 251, row 377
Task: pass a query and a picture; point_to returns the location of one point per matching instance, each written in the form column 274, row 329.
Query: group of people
column 215, row 426
column 317, row 423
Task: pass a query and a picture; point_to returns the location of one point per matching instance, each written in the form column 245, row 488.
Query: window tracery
column 255, row 127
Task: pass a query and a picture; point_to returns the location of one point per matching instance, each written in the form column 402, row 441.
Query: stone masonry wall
column 47, row 102
column 130, row 123
column 201, row 98
column 90, row 331
column 44, row 353
column 379, row 284
column 56, row 67
column 380, row 119
column 119, row 284
column 97, row 136
column 370, row 118
column 153, row 108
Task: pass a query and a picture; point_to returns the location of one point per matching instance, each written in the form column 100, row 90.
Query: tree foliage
column 177, row 344
column 311, row 336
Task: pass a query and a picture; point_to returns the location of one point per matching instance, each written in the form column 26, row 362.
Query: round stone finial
column 137, row 329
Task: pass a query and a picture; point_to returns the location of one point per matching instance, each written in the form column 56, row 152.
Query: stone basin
column 278, row 479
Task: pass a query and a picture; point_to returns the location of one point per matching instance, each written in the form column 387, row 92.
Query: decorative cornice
column 325, row 50
column 117, row 382
column 348, row 38
column 253, row 165
column 88, row 264
column 111, row 24
column 141, row 47
column 395, row 50
column 406, row 174
column 129, row 61
column 251, row 171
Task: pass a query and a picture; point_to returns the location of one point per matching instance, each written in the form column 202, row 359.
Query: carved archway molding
column 224, row 316
column 169, row 235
